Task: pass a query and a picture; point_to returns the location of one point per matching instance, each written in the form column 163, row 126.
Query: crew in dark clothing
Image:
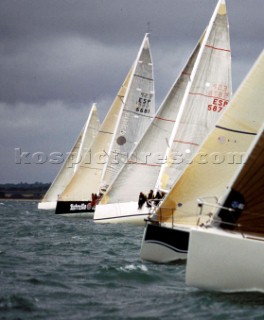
column 141, row 200
column 99, row 197
column 94, row 199
column 150, row 197
column 159, row 195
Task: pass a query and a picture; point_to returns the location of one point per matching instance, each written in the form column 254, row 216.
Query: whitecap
column 132, row 267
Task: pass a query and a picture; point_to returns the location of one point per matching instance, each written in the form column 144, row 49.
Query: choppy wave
column 52, row 267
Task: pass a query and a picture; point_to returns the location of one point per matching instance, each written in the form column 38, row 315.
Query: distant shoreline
column 33, row 200
column 23, row 191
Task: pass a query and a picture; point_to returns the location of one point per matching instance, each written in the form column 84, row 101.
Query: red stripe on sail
column 215, row 48
column 186, row 142
column 159, row 118
column 206, row 95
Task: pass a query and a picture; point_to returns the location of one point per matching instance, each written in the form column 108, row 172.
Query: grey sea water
column 54, row 267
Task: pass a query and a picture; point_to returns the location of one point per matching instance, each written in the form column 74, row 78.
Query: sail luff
column 78, row 159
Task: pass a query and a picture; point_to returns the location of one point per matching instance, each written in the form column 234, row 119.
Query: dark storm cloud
column 61, row 49
column 59, row 56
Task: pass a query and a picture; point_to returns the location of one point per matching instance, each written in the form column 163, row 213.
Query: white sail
column 211, row 171
column 148, row 155
column 87, row 177
column 192, row 107
column 81, row 146
column 205, row 99
column 123, row 126
column 137, row 114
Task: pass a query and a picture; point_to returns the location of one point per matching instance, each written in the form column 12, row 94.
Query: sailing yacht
column 209, row 177
column 130, row 114
column 69, row 168
column 230, row 247
column 187, row 115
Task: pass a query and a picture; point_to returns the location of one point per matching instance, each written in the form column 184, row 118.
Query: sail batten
column 234, row 130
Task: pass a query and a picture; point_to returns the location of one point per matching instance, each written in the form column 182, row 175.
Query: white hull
column 127, row 212
column 224, row 261
column 47, row 205
column 163, row 245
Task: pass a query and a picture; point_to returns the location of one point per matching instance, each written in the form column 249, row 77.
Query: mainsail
column 222, row 153
column 127, row 118
column 67, row 171
column 137, row 114
column 205, row 99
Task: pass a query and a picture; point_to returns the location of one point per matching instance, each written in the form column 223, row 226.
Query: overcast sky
column 57, row 57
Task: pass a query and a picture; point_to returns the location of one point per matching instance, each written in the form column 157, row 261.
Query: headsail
column 221, row 154
column 81, row 146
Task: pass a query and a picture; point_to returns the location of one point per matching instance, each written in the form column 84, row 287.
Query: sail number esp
column 217, row 105
column 220, row 96
column 143, row 103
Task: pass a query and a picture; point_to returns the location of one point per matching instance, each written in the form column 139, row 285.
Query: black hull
column 175, row 239
column 73, row 207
